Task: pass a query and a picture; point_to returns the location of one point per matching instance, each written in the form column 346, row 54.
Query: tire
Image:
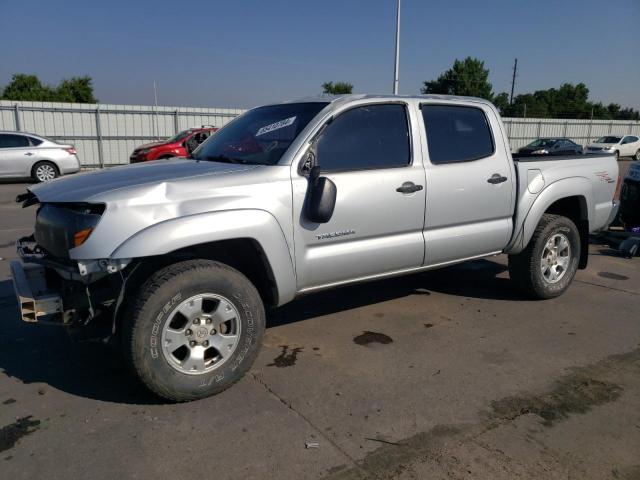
column 532, row 271
column 44, row 172
column 617, row 155
column 636, row 157
column 198, row 293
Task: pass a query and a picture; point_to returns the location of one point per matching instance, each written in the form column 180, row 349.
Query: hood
column 601, row 145
column 83, row 187
column 152, row 144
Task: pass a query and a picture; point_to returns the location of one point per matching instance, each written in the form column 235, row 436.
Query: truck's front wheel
column 547, row 266
column 193, row 330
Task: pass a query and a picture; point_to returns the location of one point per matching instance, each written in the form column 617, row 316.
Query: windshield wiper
column 222, row 159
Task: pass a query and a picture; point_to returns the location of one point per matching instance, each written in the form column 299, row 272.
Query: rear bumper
column 69, row 165
column 614, row 213
column 34, row 298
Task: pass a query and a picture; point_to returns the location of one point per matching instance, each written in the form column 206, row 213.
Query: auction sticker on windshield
column 275, row 126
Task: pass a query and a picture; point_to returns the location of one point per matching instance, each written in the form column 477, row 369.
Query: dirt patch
column 372, row 337
column 9, row 401
column 11, row 434
column 287, row 358
column 428, row 325
column 612, row 276
column 458, row 451
column 575, row 393
column 626, row 473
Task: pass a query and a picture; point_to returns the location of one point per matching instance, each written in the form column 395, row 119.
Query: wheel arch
column 37, row 162
column 570, row 197
column 249, row 240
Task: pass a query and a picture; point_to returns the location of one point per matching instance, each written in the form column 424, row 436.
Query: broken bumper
column 35, row 300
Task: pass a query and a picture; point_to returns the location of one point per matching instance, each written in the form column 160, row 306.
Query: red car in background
column 180, row 145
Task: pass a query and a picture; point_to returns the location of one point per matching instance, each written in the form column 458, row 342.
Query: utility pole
column 513, row 80
column 396, row 73
column 155, row 96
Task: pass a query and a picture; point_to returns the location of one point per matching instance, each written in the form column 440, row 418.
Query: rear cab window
column 457, row 133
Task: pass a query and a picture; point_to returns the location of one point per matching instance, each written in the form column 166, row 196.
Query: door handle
column 28, row 154
column 496, row 178
column 409, row 187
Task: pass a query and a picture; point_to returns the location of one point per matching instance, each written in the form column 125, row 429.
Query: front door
column 470, row 183
column 377, row 223
column 15, row 152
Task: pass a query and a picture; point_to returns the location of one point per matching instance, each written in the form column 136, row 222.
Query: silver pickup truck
column 177, row 259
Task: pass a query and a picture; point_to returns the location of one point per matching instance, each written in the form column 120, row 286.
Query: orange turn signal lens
column 80, row 237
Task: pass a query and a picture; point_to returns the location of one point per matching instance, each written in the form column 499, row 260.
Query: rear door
column 629, row 146
column 15, row 155
column 368, row 152
column 470, row 182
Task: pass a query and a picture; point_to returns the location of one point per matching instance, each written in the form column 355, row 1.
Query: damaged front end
column 54, row 288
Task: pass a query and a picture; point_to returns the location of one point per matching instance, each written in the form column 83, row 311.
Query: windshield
column 260, row 136
column 179, row 136
column 608, row 140
column 542, row 142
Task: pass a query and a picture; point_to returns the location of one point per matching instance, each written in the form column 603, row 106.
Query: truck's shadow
column 45, row 354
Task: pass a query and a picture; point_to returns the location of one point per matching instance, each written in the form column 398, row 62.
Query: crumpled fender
column 532, row 207
column 182, row 232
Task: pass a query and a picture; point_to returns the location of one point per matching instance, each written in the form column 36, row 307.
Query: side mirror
column 321, row 197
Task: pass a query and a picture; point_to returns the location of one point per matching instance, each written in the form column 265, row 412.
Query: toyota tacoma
column 176, row 261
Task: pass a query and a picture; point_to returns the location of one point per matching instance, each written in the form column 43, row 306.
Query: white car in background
column 27, row 155
column 620, row 146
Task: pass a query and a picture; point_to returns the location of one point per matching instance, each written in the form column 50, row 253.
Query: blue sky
column 242, row 53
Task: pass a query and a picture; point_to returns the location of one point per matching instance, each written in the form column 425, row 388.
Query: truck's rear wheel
column 547, row 266
column 193, row 330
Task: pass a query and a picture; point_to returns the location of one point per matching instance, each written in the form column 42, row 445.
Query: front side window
column 13, row 141
column 541, row 143
column 456, row 133
column 260, row 136
column 366, row 137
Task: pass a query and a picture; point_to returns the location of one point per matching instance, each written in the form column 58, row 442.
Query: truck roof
column 363, row 96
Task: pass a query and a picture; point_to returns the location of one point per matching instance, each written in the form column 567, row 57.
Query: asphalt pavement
column 445, row 374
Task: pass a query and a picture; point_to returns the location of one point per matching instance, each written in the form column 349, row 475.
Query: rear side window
column 13, row 141
column 456, row 134
column 34, row 141
column 367, row 137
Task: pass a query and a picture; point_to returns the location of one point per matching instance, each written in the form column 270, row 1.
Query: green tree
column 568, row 101
column 338, row 88
column 30, row 88
column 76, row 89
column 27, row 87
column 501, row 101
column 467, row 77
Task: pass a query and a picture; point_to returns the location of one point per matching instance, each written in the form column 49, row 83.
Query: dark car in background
column 551, row 146
column 180, row 145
